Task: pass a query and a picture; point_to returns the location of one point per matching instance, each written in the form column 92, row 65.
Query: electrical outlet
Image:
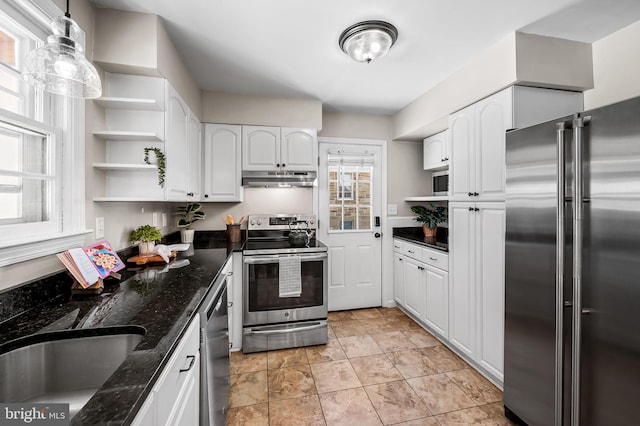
column 155, row 218
column 99, row 227
column 164, row 220
column 392, row 209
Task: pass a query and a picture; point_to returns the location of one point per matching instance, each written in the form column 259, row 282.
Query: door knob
column 377, row 235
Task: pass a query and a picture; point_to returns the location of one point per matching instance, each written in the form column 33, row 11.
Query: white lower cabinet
column 437, row 300
column 476, row 307
column 420, row 287
column 414, row 287
column 175, row 398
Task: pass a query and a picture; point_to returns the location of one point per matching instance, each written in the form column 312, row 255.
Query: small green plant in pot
column 146, row 235
column 189, row 214
column 430, row 217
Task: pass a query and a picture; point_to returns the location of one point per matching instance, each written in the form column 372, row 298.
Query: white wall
column 616, row 68
column 520, row 58
column 405, row 176
column 257, row 201
column 230, row 108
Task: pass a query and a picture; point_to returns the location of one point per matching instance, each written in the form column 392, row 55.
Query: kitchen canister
column 233, row 233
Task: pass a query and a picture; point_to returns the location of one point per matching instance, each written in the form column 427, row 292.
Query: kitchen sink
column 65, row 366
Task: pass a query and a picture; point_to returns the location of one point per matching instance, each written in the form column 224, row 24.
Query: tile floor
column 379, row 367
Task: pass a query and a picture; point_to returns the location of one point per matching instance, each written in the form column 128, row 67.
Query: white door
column 260, row 148
column 414, row 287
column 494, row 117
column 462, row 168
column 350, row 200
column 176, row 145
column 437, row 308
column 462, row 319
column 490, row 234
column 434, row 151
column 194, row 160
column 298, row 151
column 398, row 278
column 222, row 162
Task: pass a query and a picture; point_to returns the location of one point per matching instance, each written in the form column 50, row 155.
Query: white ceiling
column 289, row 48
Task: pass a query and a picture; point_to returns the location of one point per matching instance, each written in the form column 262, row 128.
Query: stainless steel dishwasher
column 214, row 353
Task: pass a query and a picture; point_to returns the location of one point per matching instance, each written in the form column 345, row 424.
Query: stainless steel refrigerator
column 572, row 277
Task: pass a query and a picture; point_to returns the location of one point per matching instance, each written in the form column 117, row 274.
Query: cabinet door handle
column 229, row 304
column 396, row 247
column 400, row 260
column 470, row 209
column 476, row 209
column 278, row 165
column 190, row 194
column 471, row 194
column 206, row 195
column 193, row 361
column 421, row 268
column 411, row 251
column 433, row 258
column 475, row 194
column 283, row 165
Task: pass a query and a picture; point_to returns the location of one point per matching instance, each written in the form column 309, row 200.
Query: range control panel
column 280, row 221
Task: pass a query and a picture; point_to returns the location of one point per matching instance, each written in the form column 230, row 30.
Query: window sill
column 20, row 251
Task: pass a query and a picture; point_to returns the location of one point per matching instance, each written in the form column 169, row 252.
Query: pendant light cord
column 67, row 25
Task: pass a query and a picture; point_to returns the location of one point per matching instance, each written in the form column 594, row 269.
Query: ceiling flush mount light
column 368, row 40
column 60, row 66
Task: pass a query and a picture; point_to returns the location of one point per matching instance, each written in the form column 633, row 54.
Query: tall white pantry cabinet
column 477, row 214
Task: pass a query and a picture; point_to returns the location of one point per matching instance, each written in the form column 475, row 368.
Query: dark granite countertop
column 414, row 234
column 162, row 300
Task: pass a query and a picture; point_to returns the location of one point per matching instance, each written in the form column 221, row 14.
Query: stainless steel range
column 284, row 286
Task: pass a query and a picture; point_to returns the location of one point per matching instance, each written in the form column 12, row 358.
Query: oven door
column 261, row 284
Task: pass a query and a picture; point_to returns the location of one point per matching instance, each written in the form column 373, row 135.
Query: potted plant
column 146, row 235
column 430, row 217
column 189, row 214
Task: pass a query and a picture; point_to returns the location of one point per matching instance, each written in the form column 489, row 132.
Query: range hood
column 278, row 179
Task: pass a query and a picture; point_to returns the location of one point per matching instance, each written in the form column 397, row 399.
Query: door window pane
column 350, row 197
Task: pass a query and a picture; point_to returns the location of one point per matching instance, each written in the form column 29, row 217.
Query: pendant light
column 368, row 40
column 60, row 66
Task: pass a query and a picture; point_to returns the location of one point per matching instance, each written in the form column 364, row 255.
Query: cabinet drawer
column 435, row 258
column 398, row 246
column 170, row 384
column 413, row 251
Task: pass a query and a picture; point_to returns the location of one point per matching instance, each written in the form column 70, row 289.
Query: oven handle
column 253, row 260
column 286, row 330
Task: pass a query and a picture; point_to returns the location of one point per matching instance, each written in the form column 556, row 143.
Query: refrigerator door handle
column 578, row 192
column 561, row 129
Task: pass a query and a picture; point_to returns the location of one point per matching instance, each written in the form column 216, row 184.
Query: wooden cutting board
column 144, row 260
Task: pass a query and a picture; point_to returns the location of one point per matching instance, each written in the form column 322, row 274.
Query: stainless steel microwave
column 440, row 181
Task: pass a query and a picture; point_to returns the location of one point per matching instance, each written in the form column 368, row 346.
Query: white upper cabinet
column 222, row 163
column 299, row 150
column 194, row 160
column 260, row 148
column 436, row 151
column 478, row 146
column 478, row 135
column 274, row 148
column 176, row 123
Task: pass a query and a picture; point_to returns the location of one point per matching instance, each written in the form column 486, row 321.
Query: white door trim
column 387, row 238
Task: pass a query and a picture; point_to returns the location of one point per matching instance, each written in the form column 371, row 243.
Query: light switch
column 99, row 227
column 392, row 209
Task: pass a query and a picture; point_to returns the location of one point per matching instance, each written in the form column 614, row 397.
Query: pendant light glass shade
column 368, row 40
column 60, row 66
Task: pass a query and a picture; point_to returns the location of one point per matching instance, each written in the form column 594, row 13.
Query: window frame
column 64, row 118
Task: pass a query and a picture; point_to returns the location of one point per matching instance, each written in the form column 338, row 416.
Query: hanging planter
column 160, row 161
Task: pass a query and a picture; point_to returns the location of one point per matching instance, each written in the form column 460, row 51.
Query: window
column 42, row 165
column 350, row 197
